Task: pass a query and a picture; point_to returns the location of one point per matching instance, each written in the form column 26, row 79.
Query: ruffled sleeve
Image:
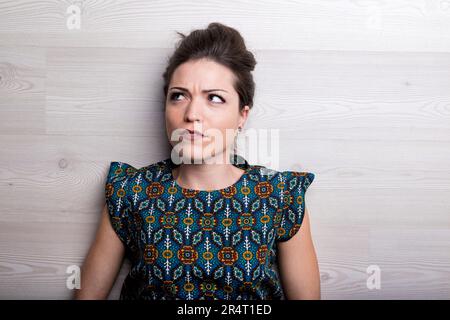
column 293, row 203
column 116, row 195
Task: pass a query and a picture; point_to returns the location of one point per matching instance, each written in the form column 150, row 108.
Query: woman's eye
column 174, row 95
column 220, row 98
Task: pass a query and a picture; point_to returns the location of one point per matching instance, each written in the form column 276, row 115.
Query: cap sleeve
column 293, row 202
column 116, row 195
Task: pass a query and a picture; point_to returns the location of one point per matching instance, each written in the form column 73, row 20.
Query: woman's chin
column 197, row 157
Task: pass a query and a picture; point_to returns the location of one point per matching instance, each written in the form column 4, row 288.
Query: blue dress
column 186, row 244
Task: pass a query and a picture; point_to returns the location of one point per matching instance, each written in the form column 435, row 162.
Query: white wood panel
column 401, row 25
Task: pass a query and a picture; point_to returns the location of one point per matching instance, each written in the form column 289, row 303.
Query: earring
column 235, row 139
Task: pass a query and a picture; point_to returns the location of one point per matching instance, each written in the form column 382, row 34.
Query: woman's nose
column 194, row 110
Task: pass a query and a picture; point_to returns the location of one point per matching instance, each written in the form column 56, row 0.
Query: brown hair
column 223, row 45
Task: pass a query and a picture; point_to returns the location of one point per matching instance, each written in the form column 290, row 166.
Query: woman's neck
column 206, row 176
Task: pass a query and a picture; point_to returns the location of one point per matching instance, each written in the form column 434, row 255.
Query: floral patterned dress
column 186, row 244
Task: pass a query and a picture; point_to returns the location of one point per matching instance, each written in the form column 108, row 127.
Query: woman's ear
column 244, row 115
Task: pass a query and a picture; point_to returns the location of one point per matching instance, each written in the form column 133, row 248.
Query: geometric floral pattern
column 186, row 244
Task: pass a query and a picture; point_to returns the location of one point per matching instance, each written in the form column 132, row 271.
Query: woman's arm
column 102, row 263
column 298, row 266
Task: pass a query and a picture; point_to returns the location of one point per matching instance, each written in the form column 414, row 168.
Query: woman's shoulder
column 122, row 166
column 120, row 170
column 281, row 179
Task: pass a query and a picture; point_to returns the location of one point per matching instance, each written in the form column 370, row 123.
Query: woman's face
column 201, row 97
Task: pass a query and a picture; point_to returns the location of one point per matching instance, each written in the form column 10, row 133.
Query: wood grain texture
column 400, row 25
column 362, row 102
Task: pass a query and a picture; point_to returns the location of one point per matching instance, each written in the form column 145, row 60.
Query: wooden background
column 360, row 91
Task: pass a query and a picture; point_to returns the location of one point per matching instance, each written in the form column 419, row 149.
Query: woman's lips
column 195, row 131
column 193, row 136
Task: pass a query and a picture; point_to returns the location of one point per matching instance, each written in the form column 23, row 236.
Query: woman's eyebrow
column 204, row 91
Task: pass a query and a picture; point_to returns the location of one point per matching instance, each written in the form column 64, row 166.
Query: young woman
column 198, row 226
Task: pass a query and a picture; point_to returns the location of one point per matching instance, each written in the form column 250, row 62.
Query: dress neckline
column 236, row 160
